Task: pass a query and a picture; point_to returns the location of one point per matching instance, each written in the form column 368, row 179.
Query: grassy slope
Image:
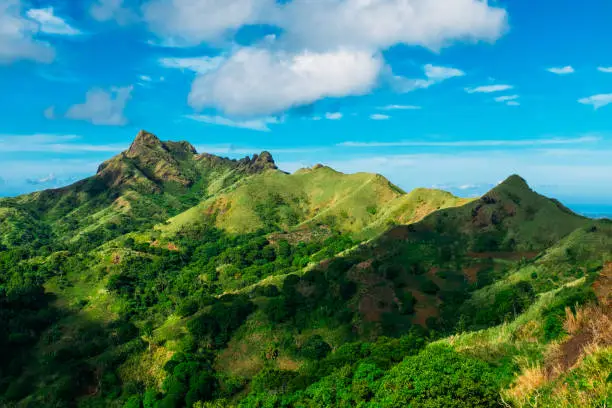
column 362, row 203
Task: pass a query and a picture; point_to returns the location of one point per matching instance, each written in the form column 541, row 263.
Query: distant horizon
column 593, row 209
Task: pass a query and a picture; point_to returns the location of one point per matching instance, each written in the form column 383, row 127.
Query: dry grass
column 575, row 371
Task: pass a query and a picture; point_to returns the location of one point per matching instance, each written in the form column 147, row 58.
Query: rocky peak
column 144, row 140
column 259, row 162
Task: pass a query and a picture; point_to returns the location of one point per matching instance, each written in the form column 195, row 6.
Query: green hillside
column 361, row 203
column 177, row 279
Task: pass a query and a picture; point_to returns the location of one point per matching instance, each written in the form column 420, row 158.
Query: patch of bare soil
column 400, row 232
column 603, row 285
column 375, row 302
column 426, row 307
column 507, row 256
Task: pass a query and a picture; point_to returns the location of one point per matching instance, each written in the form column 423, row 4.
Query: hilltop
column 173, row 278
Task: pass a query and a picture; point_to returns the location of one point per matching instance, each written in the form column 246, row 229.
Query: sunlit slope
column 362, row 203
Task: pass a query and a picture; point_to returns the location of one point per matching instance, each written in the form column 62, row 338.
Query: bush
column 315, row 348
column 429, row 287
column 439, row 377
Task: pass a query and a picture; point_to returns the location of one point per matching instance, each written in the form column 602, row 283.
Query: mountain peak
column 259, row 162
column 515, row 181
column 144, row 138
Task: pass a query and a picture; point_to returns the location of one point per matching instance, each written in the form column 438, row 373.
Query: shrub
column 439, row 377
column 315, row 348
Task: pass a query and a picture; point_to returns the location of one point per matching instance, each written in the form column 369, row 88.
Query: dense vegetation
column 172, row 279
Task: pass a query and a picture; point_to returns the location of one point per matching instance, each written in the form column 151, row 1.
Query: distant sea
column 593, row 210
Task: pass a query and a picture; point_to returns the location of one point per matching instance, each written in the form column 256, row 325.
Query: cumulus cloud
column 597, row 101
column 489, row 89
column 379, row 24
column 190, row 22
column 561, row 70
column 18, row 36
column 200, row 65
column 607, row 70
column 341, row 57
column 257, row 81
column 378, row 116
column 102, row 107
column 261, row 124
column 49, row 23
column 333, row 116
column 115, row 10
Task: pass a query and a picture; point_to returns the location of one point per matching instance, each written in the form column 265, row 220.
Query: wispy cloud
column 477, row 143
column 513, row 103
column 261, row 124
column 506, row 98
column 434, row 75
column 240, row 150
column 49, row 23
column 333, row 115
column 49, row 113
column 488, row 89
column 199, row 65
column 399, row 107
column 378, row 116
column 561, row 70
column 607, row 70
column 597, row 101
column 52, row 143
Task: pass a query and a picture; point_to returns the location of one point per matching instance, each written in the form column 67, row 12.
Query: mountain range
column 172, row 278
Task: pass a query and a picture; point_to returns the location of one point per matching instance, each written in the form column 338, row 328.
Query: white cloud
column 333, row 116
column 102, row 107
column 561, row 70
column 506, row 98
column 191, row 22
column 597, row 101
column 50, row 23
column 253, row 124
column 378, row 24
column 378, row 116
column 145, row 78
column 18, row 36
column 513, row 103
column 434, row 75
column 399, row 107
column 441, row 73
column 200, row 65
column 107, row 10
column 607, row 70
column 255, row 81
column 477, row 143
column 489, row 89
column 49, row 113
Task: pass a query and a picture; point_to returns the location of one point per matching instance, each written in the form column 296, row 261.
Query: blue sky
column 456, row 94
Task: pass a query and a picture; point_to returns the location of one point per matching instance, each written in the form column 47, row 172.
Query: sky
column 452, row 94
